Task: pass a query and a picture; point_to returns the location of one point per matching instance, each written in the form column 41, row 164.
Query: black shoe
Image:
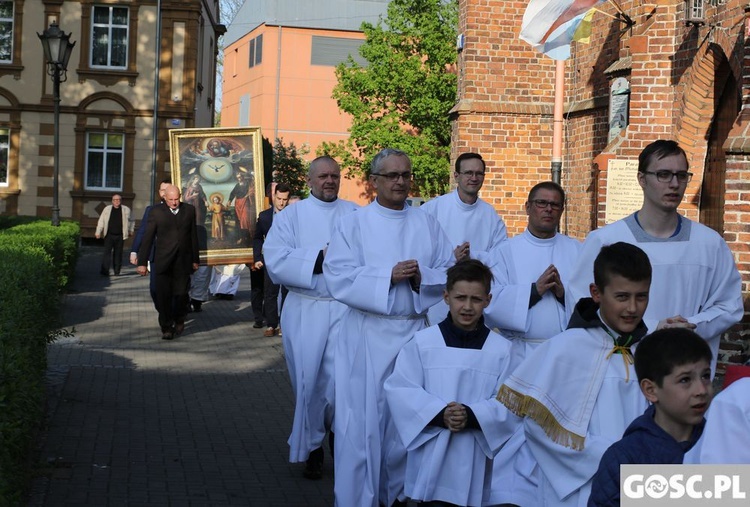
column 104, row 273
column 314, row 465
column 167, row 335
column 258, row 324
column 179, row 327
column 196, row 305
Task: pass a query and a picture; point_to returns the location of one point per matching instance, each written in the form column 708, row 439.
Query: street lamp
column 57, row 50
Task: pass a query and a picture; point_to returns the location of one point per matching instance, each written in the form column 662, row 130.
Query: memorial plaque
column 624, row 194
column 619, row 104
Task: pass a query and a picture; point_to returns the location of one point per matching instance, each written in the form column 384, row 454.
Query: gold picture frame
column 220, row 172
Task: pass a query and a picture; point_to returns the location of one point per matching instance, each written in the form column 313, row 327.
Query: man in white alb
column 530, row 272
column 472, row 225
column 387, row 262
column 294, row 250
column 695, row 280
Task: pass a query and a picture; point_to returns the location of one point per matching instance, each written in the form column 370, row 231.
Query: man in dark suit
column 270, row 289
column 176, row 257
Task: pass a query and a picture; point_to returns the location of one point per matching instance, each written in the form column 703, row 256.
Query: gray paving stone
column 136, row 420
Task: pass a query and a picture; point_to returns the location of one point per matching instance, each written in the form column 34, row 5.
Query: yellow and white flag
column 551, row 25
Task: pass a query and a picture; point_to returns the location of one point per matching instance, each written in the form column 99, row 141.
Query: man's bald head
column 172, row 196
column 324, row 178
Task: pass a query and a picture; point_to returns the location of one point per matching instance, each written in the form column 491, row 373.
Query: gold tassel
column 526, row 406
column 627, row 358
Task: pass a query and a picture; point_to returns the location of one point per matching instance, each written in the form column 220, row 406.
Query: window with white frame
column 105, row 154
column 6, row 31
column 4, row 148
column 109, row 37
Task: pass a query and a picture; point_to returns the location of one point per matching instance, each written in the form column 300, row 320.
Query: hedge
column 38, row 260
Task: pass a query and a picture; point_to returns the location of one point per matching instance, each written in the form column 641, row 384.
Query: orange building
column 279, row 63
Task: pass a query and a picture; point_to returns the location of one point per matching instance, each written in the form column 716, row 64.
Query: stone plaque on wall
column 619, row 104
column 624, row 194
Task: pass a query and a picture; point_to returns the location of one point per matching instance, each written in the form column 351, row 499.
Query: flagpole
column 557, row 131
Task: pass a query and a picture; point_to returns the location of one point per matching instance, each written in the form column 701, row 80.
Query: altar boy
column 578, row 391
column 442, row 395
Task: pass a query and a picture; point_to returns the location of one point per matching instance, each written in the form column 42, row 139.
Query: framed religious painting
column 220, row 172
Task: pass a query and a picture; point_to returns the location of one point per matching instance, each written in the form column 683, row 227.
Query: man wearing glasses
column 472, row 225
column 531, row 271
column 695, row 281
column 387, row 263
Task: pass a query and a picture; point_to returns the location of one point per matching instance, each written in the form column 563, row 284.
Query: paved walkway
column 138, row 421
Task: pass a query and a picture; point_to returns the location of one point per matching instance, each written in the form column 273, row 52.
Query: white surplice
column 381, row 318
column 726, row 437
column 694, row 275
column 226, row 279
column 519, row 263
column 442, row 465
column 590, row 395
column 311, row 317
column 477, row 223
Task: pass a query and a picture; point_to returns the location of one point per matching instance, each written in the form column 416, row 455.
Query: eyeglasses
column 472, row 174
column 666, row 176
column 393, row 177
column 542, row 204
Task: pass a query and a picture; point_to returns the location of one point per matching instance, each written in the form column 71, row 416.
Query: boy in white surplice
column 442, row 396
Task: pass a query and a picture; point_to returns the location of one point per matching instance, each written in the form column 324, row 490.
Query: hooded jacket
column 645, row 443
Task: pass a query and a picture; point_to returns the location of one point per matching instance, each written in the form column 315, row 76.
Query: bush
column 61, row 243
column 38, row 260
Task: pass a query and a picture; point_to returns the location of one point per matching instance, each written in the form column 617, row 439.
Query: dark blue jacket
column 644, row 443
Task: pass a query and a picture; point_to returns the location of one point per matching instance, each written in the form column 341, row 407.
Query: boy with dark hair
column 674, row 372
column 577, row 391
column 441, row 394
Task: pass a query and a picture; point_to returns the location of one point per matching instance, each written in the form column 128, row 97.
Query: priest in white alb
column 387, row 262
column 472, row 225
column 294, row 251
column 531, row 271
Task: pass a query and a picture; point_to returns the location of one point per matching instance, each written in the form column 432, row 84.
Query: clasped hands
column 455, row 417
column 406, row 270
column 550, row 281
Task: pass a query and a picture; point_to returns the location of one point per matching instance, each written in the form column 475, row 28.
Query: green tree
column 289, row 167
column 403, row 97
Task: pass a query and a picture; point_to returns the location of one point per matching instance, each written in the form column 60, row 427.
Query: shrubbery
column 37, row 262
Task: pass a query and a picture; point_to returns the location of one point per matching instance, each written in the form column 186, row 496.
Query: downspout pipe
column 557, row 131
column 157, row 65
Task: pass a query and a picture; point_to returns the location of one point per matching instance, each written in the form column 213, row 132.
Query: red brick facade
column 687, row 82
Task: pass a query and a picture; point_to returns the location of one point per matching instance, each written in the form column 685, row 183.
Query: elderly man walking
column 294, row 251
column 114, row 225
column 387, row 262
column 176, row 257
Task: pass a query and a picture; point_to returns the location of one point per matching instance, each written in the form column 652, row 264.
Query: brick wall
column 497, row 113
column 676, row 73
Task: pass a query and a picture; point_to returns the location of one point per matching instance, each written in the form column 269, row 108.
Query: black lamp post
column 57, row 50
